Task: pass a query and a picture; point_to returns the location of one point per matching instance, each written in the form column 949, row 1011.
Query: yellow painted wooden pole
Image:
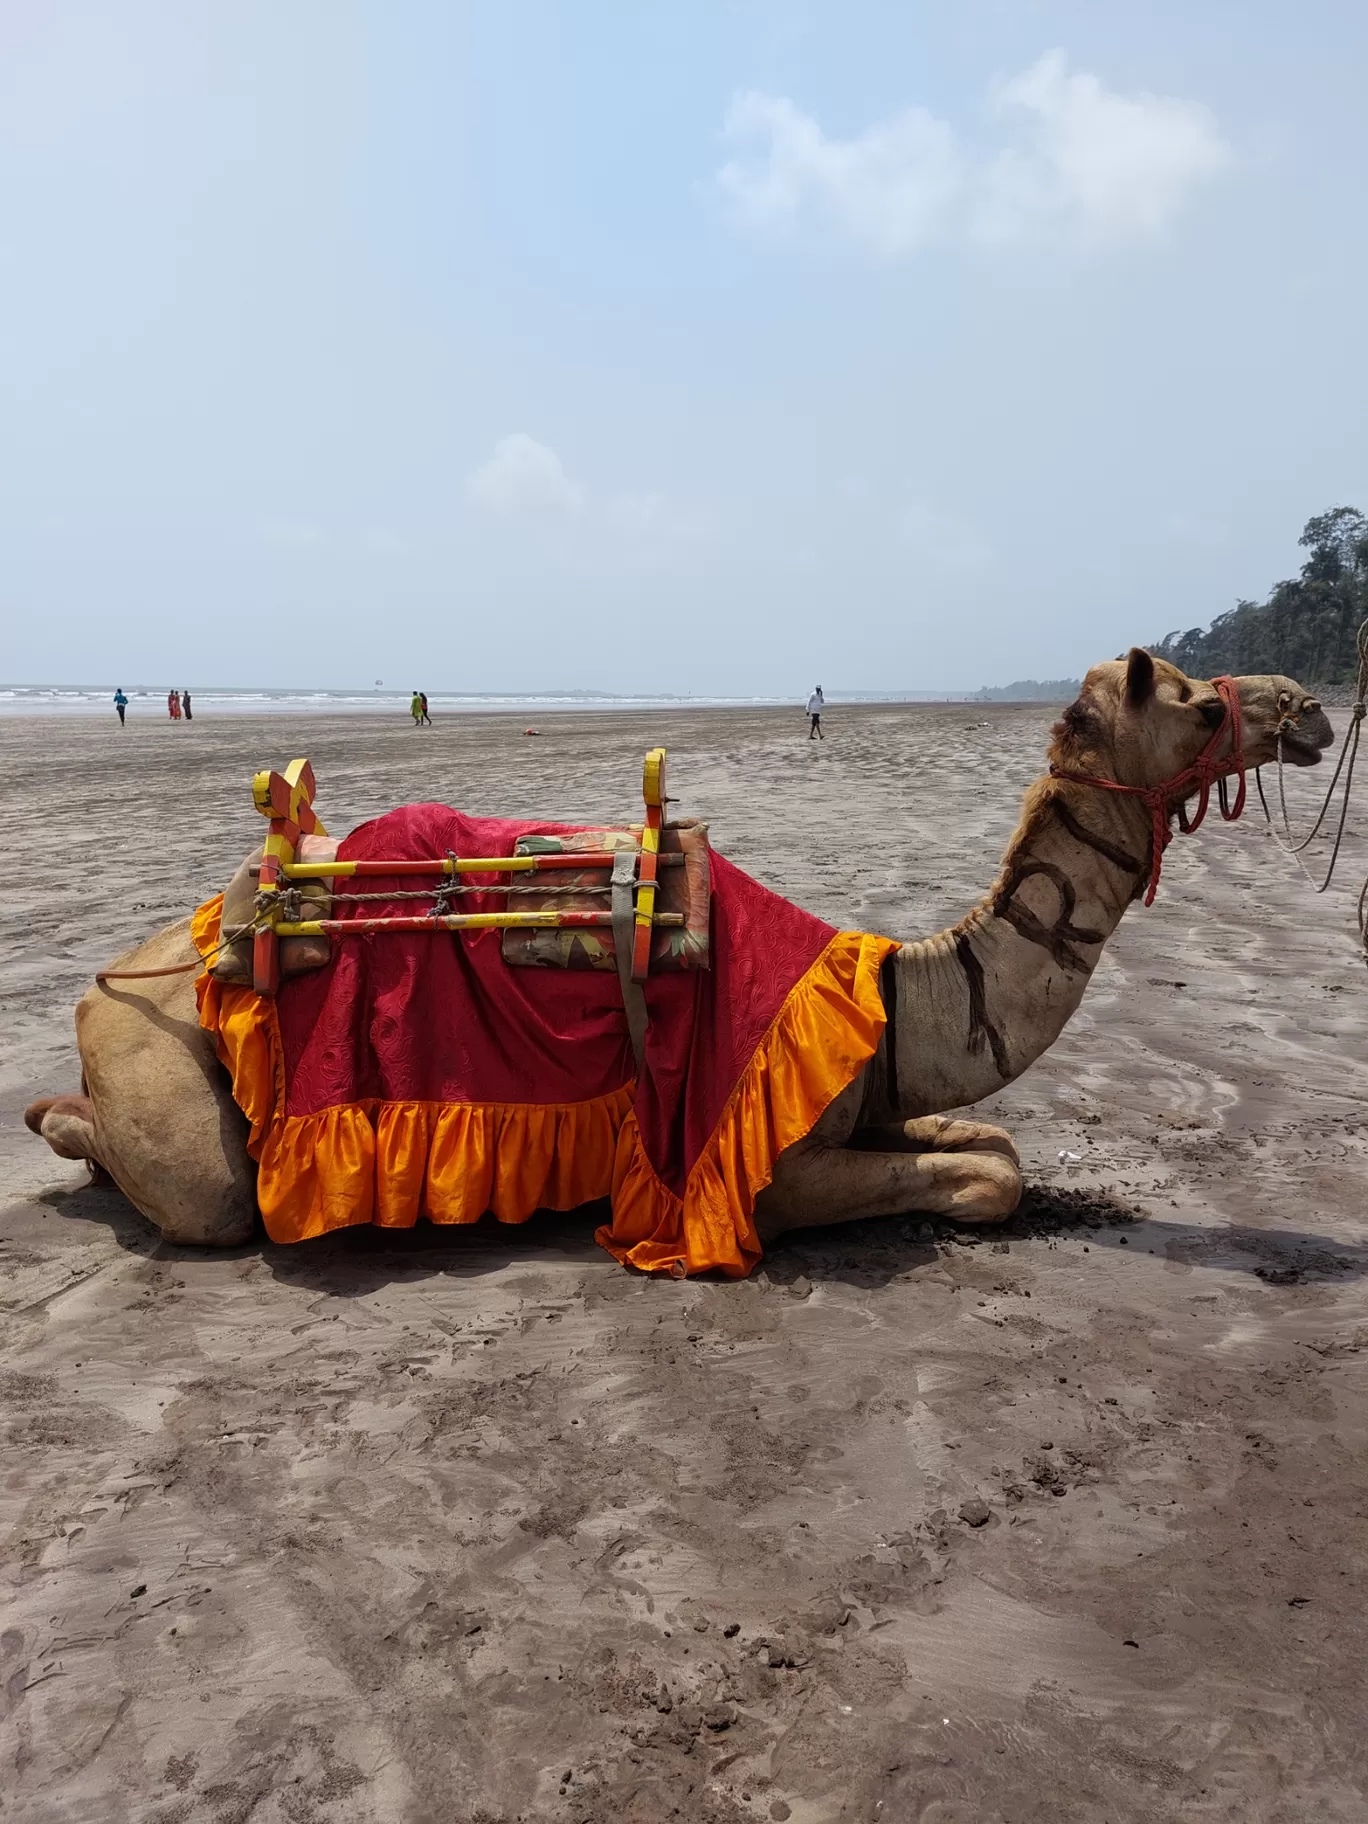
column 653, row 791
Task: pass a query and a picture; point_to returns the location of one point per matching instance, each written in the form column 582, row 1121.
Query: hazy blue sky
column 715, row 345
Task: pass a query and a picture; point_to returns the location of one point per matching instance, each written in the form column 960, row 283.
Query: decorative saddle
column 640, row 901
column 428, row 1072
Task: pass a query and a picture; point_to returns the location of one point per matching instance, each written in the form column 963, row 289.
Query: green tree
column 1306, row 629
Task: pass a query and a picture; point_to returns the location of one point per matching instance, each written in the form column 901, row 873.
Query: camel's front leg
column 961, row 1169
column 937, row 1134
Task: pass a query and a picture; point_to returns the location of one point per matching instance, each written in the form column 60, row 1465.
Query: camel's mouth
column 1285, row 719
column 1304, row 747
column 1299, row 750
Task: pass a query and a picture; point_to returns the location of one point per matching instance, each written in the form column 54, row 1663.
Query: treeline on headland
column 1306, row 629
column 1031, row 690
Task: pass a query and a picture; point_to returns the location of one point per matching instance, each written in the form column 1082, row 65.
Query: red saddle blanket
column 420, row 1075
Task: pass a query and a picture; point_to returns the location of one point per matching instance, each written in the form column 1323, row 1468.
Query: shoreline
column 209, row 708
column 66, row 700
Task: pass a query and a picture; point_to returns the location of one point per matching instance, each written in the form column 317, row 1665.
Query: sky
column 715, row 346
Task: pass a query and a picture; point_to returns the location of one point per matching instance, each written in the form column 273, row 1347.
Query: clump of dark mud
column 873, row 1251
column 1054, row 1210
column 1044, row 1211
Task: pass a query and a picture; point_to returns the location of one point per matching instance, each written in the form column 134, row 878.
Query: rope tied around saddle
column 452, row 888
column 287, row 904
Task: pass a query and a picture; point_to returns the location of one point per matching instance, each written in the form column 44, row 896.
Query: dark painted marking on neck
column 1120, row 857
column 981, row 1029
column 1058, row 938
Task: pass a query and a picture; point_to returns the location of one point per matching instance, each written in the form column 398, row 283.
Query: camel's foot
column 200, row 1215
column 67, row 1123
column 937, row 1167
column 937, row 1134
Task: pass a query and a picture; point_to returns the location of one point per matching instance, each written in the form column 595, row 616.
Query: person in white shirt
column 814, row 709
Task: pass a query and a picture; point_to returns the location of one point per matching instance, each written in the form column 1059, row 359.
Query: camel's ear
column 1139, row 677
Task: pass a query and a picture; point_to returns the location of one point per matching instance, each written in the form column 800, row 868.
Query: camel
column 968, row 1010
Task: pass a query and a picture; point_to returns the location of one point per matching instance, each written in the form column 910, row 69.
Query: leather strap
column 624, row 934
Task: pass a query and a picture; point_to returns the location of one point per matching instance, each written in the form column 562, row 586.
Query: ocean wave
column 150, row 701
column 39, row 699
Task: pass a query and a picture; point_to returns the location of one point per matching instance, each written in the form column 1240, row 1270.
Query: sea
column 147, row 700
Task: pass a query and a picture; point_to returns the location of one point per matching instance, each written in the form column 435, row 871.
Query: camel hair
column 968, row 1009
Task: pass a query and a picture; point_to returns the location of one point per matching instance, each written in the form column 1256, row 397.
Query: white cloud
column 890, row 187
column 651, row 519
column 1115, row 166
column 523, row 477
column 1085, row 159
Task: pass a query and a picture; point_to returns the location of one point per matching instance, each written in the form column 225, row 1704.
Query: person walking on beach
column 173, row 705
column 815, row 705
column 422, row 698
column 416, row 709
column 185, row 706
column 121, row 704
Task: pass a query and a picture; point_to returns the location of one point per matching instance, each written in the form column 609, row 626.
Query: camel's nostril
column 1311, row 707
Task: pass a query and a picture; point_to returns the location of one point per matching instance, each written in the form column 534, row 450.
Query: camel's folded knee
column 67, row 1123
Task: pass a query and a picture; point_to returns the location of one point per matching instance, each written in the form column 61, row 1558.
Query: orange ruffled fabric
column 391, row 1162
column 826, row 1031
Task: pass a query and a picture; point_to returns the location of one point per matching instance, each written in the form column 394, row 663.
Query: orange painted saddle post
column 287, row 799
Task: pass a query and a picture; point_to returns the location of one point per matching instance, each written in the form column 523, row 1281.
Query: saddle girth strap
column 624, row 936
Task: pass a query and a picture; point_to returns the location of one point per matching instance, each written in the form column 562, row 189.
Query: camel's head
column 1141, row 721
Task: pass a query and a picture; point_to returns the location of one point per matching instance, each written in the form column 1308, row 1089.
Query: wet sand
column 480, row 1527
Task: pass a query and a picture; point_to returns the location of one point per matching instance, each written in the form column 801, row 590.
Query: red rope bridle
column 1205, row 770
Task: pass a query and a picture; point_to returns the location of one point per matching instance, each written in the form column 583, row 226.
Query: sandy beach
column 477, row 1526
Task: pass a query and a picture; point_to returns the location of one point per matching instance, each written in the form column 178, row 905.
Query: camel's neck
column 978, row 1003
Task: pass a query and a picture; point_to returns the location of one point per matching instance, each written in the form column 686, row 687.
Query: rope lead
column 1286, row 841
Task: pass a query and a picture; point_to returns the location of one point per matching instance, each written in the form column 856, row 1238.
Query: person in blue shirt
column 121, row 704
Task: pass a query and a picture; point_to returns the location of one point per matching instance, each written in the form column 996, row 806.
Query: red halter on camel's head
column 1205, row 769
